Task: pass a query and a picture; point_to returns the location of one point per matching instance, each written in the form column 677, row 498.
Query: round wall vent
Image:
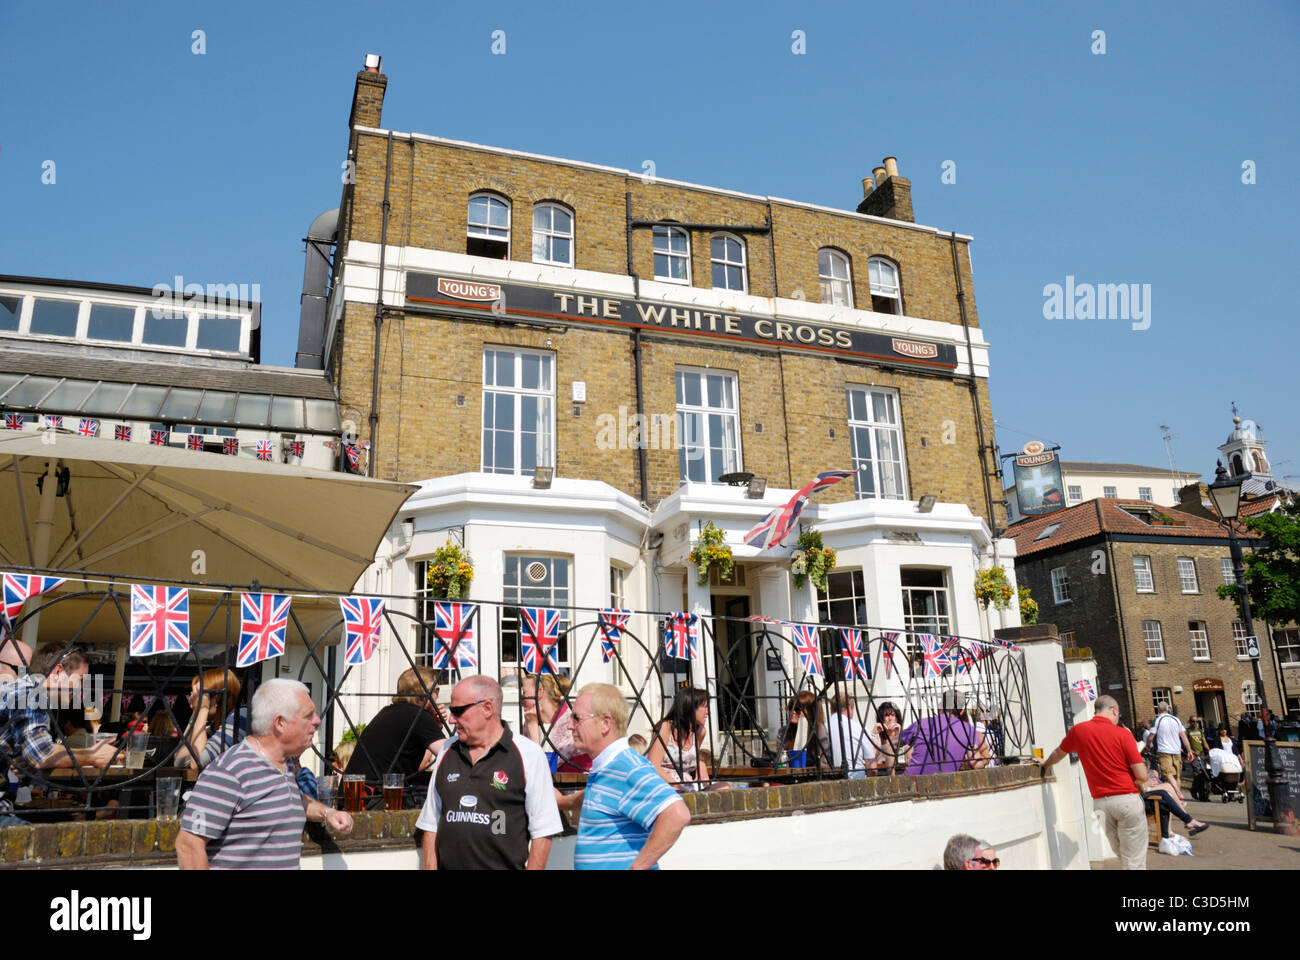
column 536, row 571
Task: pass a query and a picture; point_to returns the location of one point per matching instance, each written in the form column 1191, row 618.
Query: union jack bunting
column 88, row 427
column 612, row 624
column 230, row 447
column 453, row 629
column 363, row 622
column 682, row 639
column 889, row 646
column 539, row 631
column 354, row 455
column 160, row 620
column 1004, row 643
column 297, row 448
column 808, row 647
column 855, row 664
column 265, row 449
column 159, row 437
column 959, row 656
column 935, row 652
column 776, row 526
column 14, row 421
column 263, row 622
column 1083, row 689
column 19, row 587
column 53, row 423
column 122, row 432
column 194, row 441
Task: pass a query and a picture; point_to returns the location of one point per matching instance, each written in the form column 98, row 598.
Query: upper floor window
column 11, row 311
column 672, row 255
column 1187, row 575
column 876, row 438
column 518, row 411
column 487, row 227
column 1060, row 585
column 1110, row 493
column 1239, row 640
column 108, row 322
column 886, row 295
column 1154, row 639
column 552, row 235
column 55, row 318
column 708, row 423
column 836, row 280
column 1144, row 493
column 1229, row 574
column 1075, row 493
column 1287, row 643
column 1200, row 639
column 727, row 257
column 1142, row 574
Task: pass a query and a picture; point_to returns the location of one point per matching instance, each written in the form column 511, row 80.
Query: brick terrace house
column 1137, row 584
column 569, row 357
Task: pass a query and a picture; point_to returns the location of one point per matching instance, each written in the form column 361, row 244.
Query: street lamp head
column 1226, row 493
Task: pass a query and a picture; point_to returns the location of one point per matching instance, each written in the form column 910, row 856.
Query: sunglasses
column 457, row 711
column 986, row 861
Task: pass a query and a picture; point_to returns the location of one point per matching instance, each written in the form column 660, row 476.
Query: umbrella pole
column 41, row 546
column 119, row 678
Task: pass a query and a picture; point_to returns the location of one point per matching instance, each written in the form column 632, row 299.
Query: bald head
column 481, row 687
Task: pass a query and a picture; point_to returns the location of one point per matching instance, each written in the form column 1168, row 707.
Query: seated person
column 1155, row 787
column 406, row 735
column 220, row 693
column 14, row 658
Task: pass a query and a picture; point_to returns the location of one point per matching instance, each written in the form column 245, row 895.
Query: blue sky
column 1122, row 167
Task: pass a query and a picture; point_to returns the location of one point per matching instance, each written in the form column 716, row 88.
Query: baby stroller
column 1227, row 784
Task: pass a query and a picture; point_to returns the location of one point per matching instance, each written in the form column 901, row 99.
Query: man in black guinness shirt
column 491, row 805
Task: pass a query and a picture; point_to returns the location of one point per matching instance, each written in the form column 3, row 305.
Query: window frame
column 1074, row 493
column 871, row 426
column 666, row 232
column 486, row 226
column 518, row 392
column 1150, row 575
column 1158, row 694
column 828, row 282
column 704, row 412
column 1183, row 578
column 1227, row 570
column 1061, row 587
column 1109, row 493
column 1239, row 636
column 1198, row 631
column 1149, row 638
column 742, row 264
column 550, row 233
column 882, row 291
column 1145, row 495
column 1292, row 647
column 914, row 623
column 513, row 634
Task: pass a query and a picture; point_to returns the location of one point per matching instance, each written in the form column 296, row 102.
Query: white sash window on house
column 518, row 411
column 876, row 436
column 708, row 422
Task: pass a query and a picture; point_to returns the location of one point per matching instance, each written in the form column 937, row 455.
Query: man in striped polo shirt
column 246, row 811
column 630, row 817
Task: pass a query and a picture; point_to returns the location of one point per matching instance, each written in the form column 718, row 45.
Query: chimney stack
column 867, row 186
column 892, row 198
column 368, row 96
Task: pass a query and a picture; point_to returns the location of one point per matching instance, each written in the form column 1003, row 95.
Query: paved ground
column 1227, row 845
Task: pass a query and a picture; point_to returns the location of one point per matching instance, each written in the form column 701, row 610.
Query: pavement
column 1228, row 845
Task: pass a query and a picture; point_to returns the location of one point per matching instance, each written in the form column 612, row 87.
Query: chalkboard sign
column 1067, row 704
column 1258, row 807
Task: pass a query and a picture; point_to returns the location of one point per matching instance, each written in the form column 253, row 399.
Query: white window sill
column 1060, row 603
column 676, row 280
column 1286, row 666
column 1156, row 660
column 1201, row 659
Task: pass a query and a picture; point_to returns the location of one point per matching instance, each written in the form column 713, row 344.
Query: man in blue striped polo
column 630, row 817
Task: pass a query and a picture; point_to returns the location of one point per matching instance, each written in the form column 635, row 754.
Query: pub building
column 581, row 366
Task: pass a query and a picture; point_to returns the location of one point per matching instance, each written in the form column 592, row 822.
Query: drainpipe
column 1123, row 630
column 974, row 389
column 379, row 317
column 642, row 460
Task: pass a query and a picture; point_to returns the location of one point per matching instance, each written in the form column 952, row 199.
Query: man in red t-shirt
column 1115, row 773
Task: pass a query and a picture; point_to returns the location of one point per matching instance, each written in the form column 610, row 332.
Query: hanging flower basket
column 711, row 549
column 451, row 571
column 811, row 560
column 1028, row 607
column 992, row 588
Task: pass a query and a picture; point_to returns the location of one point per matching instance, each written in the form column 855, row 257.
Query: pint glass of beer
column 393, row 791
column 354, row 787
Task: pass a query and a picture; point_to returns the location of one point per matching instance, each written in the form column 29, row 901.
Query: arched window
column 727, row 256
column 552, row 235
column 672, row 255
column 886, row 295
column 1237, row 468
column 487, row 227
column 836, row 281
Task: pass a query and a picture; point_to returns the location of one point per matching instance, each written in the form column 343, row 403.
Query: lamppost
column 1226, row 492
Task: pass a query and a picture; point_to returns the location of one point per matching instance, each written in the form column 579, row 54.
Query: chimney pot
column 879, row 173
column 891, row 166
column 867, row 186
column 373, row 60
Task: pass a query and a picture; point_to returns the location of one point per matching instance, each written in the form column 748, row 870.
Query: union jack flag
column 230, row 447
column 961, row 658
column 264, row 620
column 265, row 449
column 855, row 664
column 19, row 587
column 88, row 427
column 808, row 647
column 776, row 526
column 159, row 438
column 363, row 622
column 453, row 627
column 1004, row 643
column 297, row 448
column 194, row 441
column 14, row 421
column 160, row 620
column 935, row 652
column 353, row 452
column 1084, row 690
column 889, row 646
column 612, row 624
column 682, row 639
column 122, row 432
column 53, row 423
column 539, row 632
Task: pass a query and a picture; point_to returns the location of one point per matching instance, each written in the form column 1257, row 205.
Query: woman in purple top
column 944, row 744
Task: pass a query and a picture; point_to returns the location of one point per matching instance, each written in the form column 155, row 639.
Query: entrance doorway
column 1210, row 705
column 734, row 652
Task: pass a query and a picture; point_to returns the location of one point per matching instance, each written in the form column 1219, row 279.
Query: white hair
column 274, row 698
